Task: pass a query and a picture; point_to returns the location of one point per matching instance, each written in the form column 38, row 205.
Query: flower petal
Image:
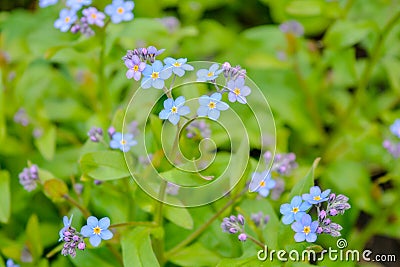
column 204, row 100
column 216, row 96
column 285, row 209
column 86, row 231
column 202, row 111
column 297, row 227
column 168, row 103
column 104, row 223
column 174, row 118
column 180, row 100
column 299, row 237
column 184, row 110
column 287, row 219
column 213, row 114
column 311, row 237
column 92, row 221
column 106, row 234
column 95, row 240
column 158, row 84
column 222, row 106
column 164, row 114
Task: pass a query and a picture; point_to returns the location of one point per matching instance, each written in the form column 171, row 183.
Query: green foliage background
column 333, row 93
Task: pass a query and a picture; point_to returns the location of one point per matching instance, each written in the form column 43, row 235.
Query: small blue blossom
column 395, row 128
column 173, row 110
column 94, row 16
column 66, row 19
column 67, row 224
column 238, row 90
column 135, row 67
column 77, row 4
column 292, row 27
column 119, row 10
column 122, row 142
column 178, row 66
column 154, row 75
column 262, row 183
column 211, row 106
column 316, row 196
column 294, row 211
column 97, row 230
column 305, row 229
column 46, row 3
column 210, row 74
column 11, row 263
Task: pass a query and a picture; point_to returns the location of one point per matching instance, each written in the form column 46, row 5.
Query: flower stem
column 127, row 224
column 201, row 229
column 84, row 211
column 255, row 241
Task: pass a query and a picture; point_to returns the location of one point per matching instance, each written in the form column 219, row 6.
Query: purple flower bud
column 322, row 215
column 327, row 230
column 327, row 221
column 75, row 238
column 242, row 237
column 332, row 197
column 81, row 245
column 266, row 219
column 111, row 131
column 335, row 233
column 336, row 226
column 342, row 198
column 233, row 218
column 240, row 219
column 333, row 212
column 75, row 28
column 319, row 230
column 233, row 230
column 78, row 188
column 97, row 182
column 226, row 66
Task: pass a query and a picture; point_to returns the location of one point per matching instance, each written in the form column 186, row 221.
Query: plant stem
column 84, row 211
column 126, row 224
column 200, row 230
column 255, row 241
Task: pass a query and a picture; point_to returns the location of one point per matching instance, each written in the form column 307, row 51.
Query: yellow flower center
column 177, row 64
column 262, row 183
column 174, row 109
column 306, row 229
column 122, row 142
column 212, row 105
column 94, row 16
column 295, row 210
column 317, row 198
column 136, row 68
column 120, row 10
column 210, row 74
column 154, row 75
column 67, row 19
column 236, row 91
column 97, row 230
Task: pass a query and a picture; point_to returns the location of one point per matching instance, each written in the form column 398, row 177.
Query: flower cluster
column 21, row 117
column 259, row 219
column 96, row 230
column 29, row 177
column 393, row 146
column 118, row 140
column 296, row 213
column 80, row 16
column 262, row 183
column 73, row 240
column 198, row 129
column 292, row 27
column 234, row 225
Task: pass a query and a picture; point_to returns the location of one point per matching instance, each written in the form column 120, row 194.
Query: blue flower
column 178, row 66
column 46, row 3
column 316, row 196
column 210, row 74
column 154, row 75
column 94, row 16
column 262, row 183
column 64, row 22
column 11, row 263
column 97, row 230
column 211, row 106
column 122, row 142
column 119, row 11
column 395, row 128
column 292, row 27
column 67, row 224
column 173, row 110
column 293, row 211
column 305, row 229
column 77, row 4
column 238, row 91
column 135, row 67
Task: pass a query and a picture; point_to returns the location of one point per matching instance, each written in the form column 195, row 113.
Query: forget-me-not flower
column 305, row 229
column 119, row 10
column 67, row 223
column 11, row 263
column 211, row 106
column 64, row 22
column 294, row 211
column 97, row 230
column 94, row 16
column 178, row 66
column 173, row 110
column 46, row 3
column 135, row 67
column 316, row 196
column 238, row 90
column 209, row 74
column 122, row 142
column 262, row 183
column 154, row 75
column 395, row 128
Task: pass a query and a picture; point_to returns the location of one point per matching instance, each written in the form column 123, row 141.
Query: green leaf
column 304, row 8
column 2, row 109
column 104, row 165
column 195, row 255
column 179, row 216
column 304, row 185
column 55, row 189
column 5, row 197
column 90, row 258
column 46, row 144
column 347, row 33
column 136, row 248
column 34, row 242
